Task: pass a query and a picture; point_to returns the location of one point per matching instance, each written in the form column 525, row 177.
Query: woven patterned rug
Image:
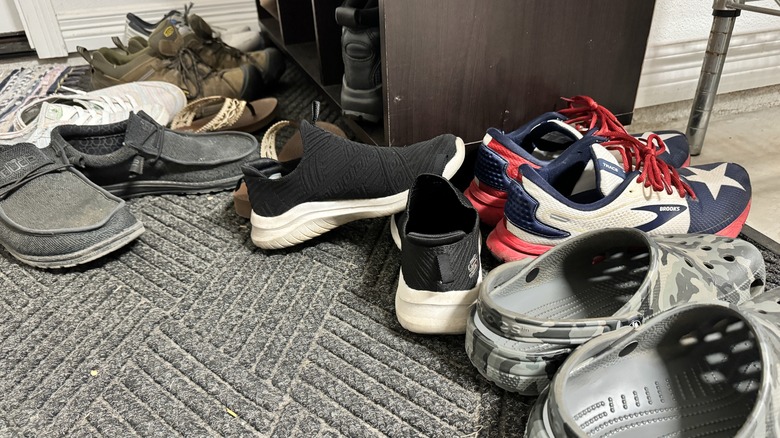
column 193, row 331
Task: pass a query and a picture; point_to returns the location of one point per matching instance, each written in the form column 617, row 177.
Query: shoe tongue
column 435, row 239
column 168, row 38
column 552, row 136
column 602, row 172
column 200, row 27
column 56, row 113
column 19, row 159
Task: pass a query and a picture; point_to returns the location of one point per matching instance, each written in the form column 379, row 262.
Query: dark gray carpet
column 194, row 331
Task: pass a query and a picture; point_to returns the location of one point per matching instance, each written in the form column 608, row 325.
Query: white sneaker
column 247, row 41
column 34, row 122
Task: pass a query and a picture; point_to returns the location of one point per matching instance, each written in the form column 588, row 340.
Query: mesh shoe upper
column 587, row 189
column 538, row 143
column 440, row 238
column 333, row 168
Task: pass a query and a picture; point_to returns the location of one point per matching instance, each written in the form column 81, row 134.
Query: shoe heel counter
column 520, row 210
column 490, row 167
column 455, row 268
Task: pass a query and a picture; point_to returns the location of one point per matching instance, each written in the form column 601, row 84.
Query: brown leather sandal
column 291, row 150
column 217, row 113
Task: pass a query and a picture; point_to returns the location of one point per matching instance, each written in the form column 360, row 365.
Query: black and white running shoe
column 338, row 181
column 440, row 266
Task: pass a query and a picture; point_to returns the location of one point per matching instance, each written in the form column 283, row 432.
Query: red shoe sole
column 489, row 206
column 735, row 227
column 507, row 247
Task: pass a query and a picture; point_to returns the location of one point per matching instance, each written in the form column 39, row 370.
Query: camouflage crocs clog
column 699, row 369
column 530, row 315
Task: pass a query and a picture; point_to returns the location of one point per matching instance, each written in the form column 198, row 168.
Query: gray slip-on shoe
column 531, row 315
column 140, row 157
column 698, row 369
column 51, row 216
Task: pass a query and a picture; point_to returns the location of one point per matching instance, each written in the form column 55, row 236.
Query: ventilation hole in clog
column 756, row 286
column 617, row 255
column 716, row 358
column 763, row 312
column 706, row 248
column 640, row 256
column 729, row 240
column 614, row 269
column 532, row 275
column 747, row 386
column 739, row 325
column 688, row 340
column 689, row 262
column 628, row 349
column 729, row 258
column 739, row 347
column 708, row 265
column 713, row 377
column 714, row 336
column 750, row 368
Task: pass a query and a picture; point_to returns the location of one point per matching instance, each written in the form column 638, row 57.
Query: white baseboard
column 93, row 28
column 670, row 72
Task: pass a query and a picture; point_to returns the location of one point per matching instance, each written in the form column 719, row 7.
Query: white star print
column 713, row 179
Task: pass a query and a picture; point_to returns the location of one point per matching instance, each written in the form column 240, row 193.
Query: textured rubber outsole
column 134, row 189
column 430, row 312
column 362, row 104
column 490, row 207
column 311, row 219
column 510, row 370
column 94, row 252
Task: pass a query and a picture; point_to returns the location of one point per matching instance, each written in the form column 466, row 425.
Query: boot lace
column 192, row 70
column 642, row 154
column 584, row 113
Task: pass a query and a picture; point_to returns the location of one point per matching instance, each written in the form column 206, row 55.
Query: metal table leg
column 711, row 70
column 725, row 13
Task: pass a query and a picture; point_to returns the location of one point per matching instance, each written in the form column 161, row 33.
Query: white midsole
column 313, row 218
column 423, row 311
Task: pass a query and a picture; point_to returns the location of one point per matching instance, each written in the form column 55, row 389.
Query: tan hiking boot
column 171, row 56
column 218, row 55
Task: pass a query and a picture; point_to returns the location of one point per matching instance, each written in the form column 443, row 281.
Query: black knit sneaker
column 51, row 216
column 338, row 181
column 440, row 268
column 139, row 157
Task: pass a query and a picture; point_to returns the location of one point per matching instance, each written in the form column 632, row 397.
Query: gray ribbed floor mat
column 193, row 331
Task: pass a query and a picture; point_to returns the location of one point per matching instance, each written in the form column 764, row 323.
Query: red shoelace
column 641, row 154
column 584, row 113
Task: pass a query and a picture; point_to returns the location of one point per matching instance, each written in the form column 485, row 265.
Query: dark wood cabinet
column 462, row 66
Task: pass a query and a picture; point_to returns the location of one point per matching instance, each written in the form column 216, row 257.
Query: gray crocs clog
column 699, row 369
column 531, row 314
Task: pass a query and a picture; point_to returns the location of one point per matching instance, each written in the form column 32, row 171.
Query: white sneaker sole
column 311, row 219
column 427, row 312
